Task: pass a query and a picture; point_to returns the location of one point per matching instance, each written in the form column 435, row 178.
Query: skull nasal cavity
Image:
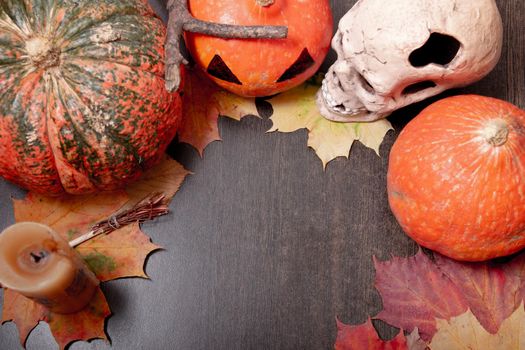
column 439, row 49
column 418, row 87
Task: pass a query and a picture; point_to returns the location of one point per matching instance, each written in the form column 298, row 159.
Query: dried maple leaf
column 119, row 254
column 364, row 337
column 415, row 292
column 203, row 103
column 515, row 270
column 491, row 294
column 23, row 312
column 296, row 109
column 68, row 215
column 166, row 177
column 415, row 342
column 86, row 324
column 466, row 333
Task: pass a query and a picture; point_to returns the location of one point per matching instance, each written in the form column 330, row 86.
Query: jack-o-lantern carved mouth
column 220, row 70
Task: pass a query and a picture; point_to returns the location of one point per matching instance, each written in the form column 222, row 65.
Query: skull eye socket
column 418, row 87
column 300, row 65
column 439, row 49
column 220, row 70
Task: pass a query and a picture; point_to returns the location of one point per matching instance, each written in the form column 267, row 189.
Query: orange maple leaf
column 85, row 324
column 23, row 312
column 203, row 103
column 119, row 254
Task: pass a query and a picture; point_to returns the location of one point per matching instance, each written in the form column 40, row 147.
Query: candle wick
column 38, row 257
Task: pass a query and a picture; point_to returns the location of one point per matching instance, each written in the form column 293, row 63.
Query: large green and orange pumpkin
column 83, row 105
column 262, row 67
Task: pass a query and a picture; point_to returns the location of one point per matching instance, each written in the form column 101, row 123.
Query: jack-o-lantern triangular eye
column 304, row 62
column 218, row 69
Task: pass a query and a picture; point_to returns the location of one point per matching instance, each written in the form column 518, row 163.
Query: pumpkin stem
column 181, row 20
column 42, row 53
column 265, row 3
column 496, row 133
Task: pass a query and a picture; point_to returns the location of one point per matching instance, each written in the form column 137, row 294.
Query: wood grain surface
column 264, row 249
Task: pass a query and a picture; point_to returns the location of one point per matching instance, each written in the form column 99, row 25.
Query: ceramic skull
column 395, row 53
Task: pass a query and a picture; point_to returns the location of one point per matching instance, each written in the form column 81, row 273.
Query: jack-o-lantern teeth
column 220, row 70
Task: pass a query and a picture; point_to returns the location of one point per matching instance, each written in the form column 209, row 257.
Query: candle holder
column 39, row 264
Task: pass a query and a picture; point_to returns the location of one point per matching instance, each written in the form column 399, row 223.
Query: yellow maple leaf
column 466, row 333
column 296, row 109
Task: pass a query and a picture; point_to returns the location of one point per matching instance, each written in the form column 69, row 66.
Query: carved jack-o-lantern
column 261, row 67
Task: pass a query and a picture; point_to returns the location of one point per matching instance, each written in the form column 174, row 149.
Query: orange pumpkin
column 456, row 178
column 262, row 67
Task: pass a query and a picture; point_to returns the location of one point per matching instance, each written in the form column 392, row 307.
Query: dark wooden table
column 263, row 248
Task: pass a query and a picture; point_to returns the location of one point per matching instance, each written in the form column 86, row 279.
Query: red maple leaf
column 418, row 290
column 491, row 294
column 364, row 337
column 415, row 292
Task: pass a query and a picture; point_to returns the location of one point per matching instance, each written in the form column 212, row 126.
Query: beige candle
column 36, row 262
